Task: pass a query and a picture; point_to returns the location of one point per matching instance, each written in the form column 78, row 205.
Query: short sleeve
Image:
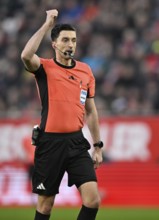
column 91, row 85
column 42, row 61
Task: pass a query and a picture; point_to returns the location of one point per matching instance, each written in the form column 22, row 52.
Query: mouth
column 69, row 53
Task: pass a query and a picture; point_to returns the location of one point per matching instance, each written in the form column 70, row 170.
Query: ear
column 53, row 45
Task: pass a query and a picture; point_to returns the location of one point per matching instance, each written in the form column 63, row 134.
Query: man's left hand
column 97, row 157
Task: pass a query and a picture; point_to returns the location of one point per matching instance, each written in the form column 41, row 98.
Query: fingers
column 52, row 13
column 97, row 159
column 51, row 16
column 96, row 164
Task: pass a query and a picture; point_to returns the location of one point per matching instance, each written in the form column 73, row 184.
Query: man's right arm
column 28, row 55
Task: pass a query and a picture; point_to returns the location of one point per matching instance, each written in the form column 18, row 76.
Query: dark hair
column 60, row 27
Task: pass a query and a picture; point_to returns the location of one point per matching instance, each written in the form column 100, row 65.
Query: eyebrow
column 74, row 38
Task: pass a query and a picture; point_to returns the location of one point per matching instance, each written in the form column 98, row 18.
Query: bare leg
column 90, row 199
column 44, row 207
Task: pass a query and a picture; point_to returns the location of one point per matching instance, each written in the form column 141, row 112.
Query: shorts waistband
column 62, row 135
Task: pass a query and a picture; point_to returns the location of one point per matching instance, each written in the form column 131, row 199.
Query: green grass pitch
column 71, row 214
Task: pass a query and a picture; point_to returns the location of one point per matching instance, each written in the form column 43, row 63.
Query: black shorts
column 56, row 153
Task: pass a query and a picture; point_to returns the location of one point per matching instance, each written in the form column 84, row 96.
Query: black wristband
column 98, row 144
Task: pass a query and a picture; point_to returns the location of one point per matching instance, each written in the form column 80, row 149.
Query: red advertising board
column 128, row 176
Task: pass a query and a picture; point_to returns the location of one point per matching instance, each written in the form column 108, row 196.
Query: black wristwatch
column 98, row 144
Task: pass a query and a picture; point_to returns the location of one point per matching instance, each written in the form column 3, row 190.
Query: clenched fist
column 51, row 16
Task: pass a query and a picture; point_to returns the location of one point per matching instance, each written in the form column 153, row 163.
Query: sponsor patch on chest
column 83, row 96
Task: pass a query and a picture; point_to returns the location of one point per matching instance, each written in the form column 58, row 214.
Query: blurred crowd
column 119, row 39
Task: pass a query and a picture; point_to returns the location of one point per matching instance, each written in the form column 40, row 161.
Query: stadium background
column 119, row 39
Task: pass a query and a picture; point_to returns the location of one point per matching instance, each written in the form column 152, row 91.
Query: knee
column 93, row 202
column 45, row 207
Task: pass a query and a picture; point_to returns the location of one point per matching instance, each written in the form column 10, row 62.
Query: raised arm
column 28, row 55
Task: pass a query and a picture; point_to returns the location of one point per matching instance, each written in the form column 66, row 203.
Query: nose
column 70, row 44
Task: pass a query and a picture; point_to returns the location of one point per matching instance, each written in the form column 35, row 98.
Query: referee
column 66, row 89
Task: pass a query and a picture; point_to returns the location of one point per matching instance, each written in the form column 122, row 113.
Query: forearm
column 93, row 125
column 34, row 42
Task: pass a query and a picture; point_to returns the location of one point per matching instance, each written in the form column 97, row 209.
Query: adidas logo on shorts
column 41, row 186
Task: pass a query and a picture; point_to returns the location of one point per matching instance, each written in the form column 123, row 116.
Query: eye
column 65, row 40
column 74, row 40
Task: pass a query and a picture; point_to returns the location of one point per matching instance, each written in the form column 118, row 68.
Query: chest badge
column 83, row 96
